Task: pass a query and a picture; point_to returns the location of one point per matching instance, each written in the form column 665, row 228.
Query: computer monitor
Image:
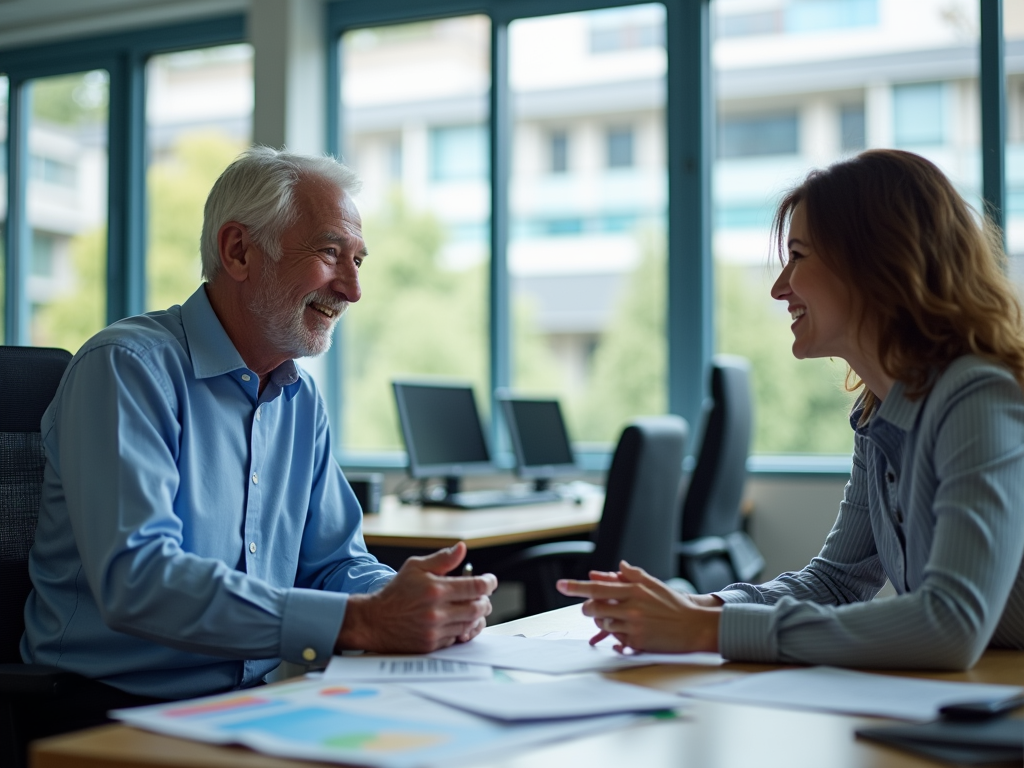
column 539, row 438
column 442, row 431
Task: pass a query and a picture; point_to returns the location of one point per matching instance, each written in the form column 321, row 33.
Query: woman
column 887, row 268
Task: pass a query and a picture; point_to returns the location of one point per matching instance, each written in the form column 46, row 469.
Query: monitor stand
column 452, row 486
column 542, row 484
column 453, row 497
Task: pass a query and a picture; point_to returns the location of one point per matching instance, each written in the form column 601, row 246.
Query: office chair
column 714, row 550
column 639, row 523
column 28, row 380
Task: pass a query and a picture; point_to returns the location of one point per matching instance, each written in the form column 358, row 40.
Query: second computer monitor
column 539, row 438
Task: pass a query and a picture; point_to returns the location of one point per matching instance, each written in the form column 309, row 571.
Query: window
column 787, row 107
column 1013, row 33
column 586, row 244
column 588, row 296
column 422, row 87
column 620, row 147
column 626, row 29
column 821, row 15
column 559, row 148
column 458, row 153
column 75, row 244
column 919, row 114
column 198, row 119
column 67, row 207
column 395, row 160
column 852, row 137
column 753, row 135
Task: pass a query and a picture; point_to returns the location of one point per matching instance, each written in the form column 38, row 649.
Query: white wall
column 792, row 516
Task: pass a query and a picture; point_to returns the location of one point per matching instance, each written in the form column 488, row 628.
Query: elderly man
column 194, row 528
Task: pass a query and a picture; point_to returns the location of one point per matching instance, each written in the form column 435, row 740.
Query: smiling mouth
column 323, row 309
column 796, row 313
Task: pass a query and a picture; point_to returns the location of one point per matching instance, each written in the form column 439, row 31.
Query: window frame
column 689, row 119
column 123, row 55
column 689, row 126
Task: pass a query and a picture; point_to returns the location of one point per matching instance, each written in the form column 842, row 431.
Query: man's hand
column 421, row 610
column 645, row 614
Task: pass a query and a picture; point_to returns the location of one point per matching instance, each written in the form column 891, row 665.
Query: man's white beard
column 283, row 325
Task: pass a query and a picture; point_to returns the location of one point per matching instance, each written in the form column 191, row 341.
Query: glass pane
column 588, row 201
column 198, row 119
column 414, row 114
column 801, row 84
column 4, row 90
column 67, row 207
column 1013, row 32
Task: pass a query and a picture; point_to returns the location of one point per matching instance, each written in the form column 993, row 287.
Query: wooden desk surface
column 709, row 735
column 409, row 525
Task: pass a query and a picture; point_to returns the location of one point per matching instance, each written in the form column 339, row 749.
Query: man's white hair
column 258, row 191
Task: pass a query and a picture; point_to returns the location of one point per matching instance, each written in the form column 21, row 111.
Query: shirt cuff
column 310, row 625
column 746, row 633
column 732, row 596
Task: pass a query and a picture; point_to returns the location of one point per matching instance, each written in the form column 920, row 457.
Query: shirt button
column 246, row 377
column 258, row 413
column 309, row 654
column 252, row 547
column 255, row 479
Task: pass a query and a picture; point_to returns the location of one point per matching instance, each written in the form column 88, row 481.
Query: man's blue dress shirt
column 192, row 532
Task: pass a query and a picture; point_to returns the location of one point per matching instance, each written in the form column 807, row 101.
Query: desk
column 712, row 735
column 412, row 526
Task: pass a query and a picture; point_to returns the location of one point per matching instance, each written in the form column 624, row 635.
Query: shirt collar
column 897, row 409
column 212, row 351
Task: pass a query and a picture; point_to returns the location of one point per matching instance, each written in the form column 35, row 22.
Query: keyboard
column 485, row 499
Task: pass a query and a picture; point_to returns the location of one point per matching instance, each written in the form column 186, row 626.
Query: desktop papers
column 559, row 656
column 383, row 726
column 402, row 669
column 549, row 700
column 827, row 689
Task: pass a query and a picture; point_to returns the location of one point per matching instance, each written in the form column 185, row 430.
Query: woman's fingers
column 597, row 590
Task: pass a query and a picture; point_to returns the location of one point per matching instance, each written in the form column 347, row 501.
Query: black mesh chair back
column 640, row 521
column 715, row 551
column 641, row 503
column 712, row 506
column 28, row 380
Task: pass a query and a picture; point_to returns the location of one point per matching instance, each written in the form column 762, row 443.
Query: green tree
column 800, row 405
column 629, row 370
column 72, row 317
column 416, row 318
column 178, row 185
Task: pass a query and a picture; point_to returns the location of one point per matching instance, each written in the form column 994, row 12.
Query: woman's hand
column 644, row 614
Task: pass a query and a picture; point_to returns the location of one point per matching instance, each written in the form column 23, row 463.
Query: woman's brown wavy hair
column 930, row 277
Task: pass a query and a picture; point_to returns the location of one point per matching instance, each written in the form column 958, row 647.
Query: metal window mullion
column 500, row 156
column 335, row 383
column 993, row 112
column 17, row 239
column 126, row 195
column 690, row 114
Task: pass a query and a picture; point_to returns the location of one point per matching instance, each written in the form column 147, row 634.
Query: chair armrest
column 555, row 550
column 36, row 680
column 747, row 560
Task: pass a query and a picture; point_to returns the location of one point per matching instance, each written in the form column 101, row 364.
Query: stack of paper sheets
column 391, row 726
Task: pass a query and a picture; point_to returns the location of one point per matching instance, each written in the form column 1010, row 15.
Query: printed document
column 827, row 689
column 559, row 699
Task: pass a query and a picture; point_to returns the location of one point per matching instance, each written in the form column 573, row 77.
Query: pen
column 467, row 569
